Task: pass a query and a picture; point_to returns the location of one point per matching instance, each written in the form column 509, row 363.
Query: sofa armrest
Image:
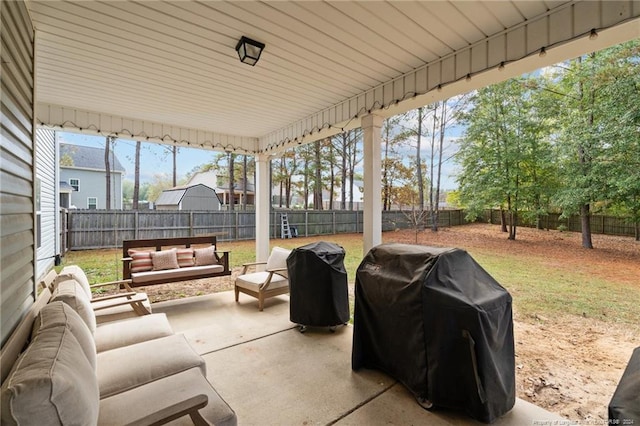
column 161, row 415
column 162, row 400
column 123, row 284
column 128, row 295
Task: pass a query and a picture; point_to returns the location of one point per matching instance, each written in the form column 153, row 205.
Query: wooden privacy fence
column 600, row 224
column 92, row 229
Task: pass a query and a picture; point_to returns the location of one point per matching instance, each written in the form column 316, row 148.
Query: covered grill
column 318, row 285
column 433, row 319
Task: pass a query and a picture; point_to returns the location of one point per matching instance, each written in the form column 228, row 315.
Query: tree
column 107, row 166
column 503, row 149
column 136, row 178
column 232, row 181
column 345, row 151
column 159, row 182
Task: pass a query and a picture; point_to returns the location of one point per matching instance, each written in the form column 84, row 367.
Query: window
column 92, row 203
column 75, row 183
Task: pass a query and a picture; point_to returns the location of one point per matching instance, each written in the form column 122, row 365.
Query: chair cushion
column 185, row 257
column 131, row 366
column 141, row 260
column 164, row 259
column 52, row 382
column 59, row 314
column 206, row 256
column 76, row 272
column 71, row 292
column 278, row 259
column 254, row 280
column 117, row 334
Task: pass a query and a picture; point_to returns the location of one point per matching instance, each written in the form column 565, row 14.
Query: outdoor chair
column 272, row 281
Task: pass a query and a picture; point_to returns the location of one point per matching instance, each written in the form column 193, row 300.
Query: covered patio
column 167, row 72
column 270, row 373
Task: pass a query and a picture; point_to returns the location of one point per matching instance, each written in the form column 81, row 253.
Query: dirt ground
column 569, row 365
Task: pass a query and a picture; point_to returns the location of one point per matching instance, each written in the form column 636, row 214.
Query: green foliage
column 506, row 153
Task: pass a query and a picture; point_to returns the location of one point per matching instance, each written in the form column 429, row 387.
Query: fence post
column 333, row 219
column 191, row 224
column 136, row 226
column 235, row 235
column 306, row 223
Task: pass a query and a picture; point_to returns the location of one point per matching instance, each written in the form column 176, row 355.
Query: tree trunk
column 281, row 186
column 317, row 192
column 174, row 153
column 443, row 127
column 386, row 204
column 503, row 220
column 585, row 221
column 136, row 178
column 244, row 182
column 343, row 190
column 332, row 174
column 419, row 160
column 232, row 195
column 107, row 167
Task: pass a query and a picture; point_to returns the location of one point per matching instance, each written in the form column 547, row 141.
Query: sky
column 154, row 158
column 157, row 159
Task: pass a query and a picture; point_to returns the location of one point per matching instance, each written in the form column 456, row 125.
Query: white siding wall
column 46, row 172
column 17, row 269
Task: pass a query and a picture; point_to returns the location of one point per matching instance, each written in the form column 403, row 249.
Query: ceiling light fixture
column 593, row 34
column 249, row 50
column 543, row 52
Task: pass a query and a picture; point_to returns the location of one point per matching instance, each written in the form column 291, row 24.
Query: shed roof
column 173, row 196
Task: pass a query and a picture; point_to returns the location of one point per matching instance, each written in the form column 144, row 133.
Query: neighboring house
column 47, row 235
column 196, row 197
column 83, row 169
column 221, row 186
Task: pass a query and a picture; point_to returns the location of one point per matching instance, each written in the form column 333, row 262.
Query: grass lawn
column 538, row 288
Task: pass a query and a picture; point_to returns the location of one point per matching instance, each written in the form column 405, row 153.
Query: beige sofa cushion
column 59, row 314
column 75, row 272
column 186, row 273
column 117, row 334
column 138, row 405
column 51, row 383
column 71, row 292
column 131, row 366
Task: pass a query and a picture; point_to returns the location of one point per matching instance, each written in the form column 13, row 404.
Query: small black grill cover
column 318, row 291
column 624, row 408
column 434, row 320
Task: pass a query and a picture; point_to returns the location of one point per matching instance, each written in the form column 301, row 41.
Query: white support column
column 263, row 209
column 372, row 214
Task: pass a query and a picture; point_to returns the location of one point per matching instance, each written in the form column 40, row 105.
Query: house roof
column 168, row 72
column 85, row 157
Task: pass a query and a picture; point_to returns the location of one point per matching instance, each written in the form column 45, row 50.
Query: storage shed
column 194, row 197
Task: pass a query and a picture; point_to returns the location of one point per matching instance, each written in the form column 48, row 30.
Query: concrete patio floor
column 271, row 374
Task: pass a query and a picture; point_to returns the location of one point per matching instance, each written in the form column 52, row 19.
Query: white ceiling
column 174, row 62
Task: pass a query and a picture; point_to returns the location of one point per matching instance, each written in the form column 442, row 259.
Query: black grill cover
column 624, row 408
column 434, row 320
column 318, row 291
